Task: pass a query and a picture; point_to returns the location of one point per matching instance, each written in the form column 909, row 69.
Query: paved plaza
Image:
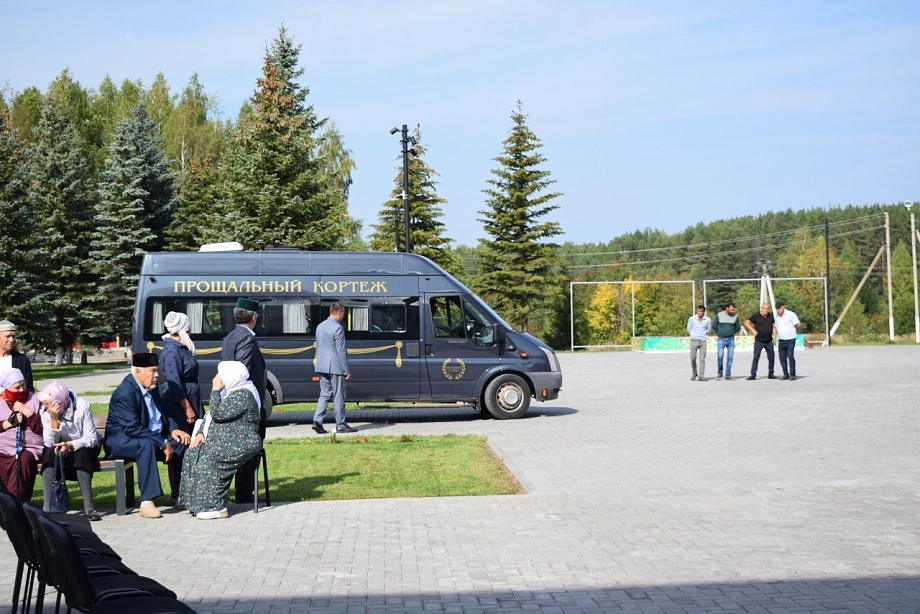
column 646, row 492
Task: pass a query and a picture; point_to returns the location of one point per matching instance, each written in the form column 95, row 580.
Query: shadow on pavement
column 832, row 595
column 410, row 414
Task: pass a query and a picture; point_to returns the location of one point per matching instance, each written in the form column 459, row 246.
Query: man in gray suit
column 332, row 369
column 241, row 345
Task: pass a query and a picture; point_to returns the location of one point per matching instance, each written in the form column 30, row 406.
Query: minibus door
column 458, row 347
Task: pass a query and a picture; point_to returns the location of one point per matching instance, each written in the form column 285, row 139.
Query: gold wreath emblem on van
column 453, row 368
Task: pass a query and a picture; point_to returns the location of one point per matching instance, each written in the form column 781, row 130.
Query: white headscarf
column 177, row 323
column 12, row 376
column 235, row 376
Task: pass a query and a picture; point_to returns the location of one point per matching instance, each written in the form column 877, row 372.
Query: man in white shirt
column 787, row 327
column 698, row 326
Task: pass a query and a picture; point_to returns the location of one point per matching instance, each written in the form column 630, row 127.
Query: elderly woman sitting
column 20, row 428
column 229, row 438
column 68, row 426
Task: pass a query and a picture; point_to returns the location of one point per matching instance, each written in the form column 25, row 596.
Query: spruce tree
column 18, row 302
column 274, row 190
column 135, row 206
column 519, row 273
column 61, row 196
column 426, row 230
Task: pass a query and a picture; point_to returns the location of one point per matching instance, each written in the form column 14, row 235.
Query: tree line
column 793, row 244
column 92, row 179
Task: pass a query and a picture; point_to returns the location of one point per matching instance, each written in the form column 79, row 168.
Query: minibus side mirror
column 498, row 335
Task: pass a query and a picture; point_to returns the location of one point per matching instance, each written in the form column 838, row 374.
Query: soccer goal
column 610, row 314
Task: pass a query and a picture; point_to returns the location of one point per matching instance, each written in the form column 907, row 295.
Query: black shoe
column 785, row 377
column 319, row 428
column 346, row 429
column 792, row 378
column 93, row 515
column 751, row 377
column 772, row 377
column 693, row 377
column 246, row 500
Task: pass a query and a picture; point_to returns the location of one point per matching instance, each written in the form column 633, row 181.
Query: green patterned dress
column 232, row 439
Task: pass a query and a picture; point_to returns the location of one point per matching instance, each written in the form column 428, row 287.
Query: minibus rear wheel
column 507, row 396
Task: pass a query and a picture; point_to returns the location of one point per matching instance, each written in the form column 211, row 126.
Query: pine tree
column 274, row 190
column 61, row 196
column 519, row 274
column 135, row 206
column 426, row 230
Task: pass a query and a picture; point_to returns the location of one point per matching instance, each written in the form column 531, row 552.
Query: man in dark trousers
column 332, row 369
column 763, row 328
column 241, row 345
column 135, row 429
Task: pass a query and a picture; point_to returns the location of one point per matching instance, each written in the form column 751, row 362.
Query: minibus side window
column 478, row 324
column 447, row 316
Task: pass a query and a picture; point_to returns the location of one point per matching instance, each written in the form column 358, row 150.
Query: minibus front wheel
column 507, row 396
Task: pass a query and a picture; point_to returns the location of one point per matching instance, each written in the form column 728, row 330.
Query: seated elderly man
column 136, row 429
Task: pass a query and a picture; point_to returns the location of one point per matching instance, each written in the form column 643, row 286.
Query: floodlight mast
column 405, row 140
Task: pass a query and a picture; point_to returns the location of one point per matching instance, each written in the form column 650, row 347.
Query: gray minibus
column 413, row 332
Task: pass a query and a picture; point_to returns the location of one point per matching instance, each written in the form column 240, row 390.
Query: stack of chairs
column 86, row 572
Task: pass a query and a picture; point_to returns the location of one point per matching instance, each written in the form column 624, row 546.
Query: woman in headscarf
column 67, row 424
column 19, row 423
column 228, row 438
column 179, row 371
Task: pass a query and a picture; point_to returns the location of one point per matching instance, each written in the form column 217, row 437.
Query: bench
column 124, row 475
column 124, row 483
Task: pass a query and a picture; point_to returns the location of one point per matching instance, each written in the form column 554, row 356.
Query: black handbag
column 60, row 498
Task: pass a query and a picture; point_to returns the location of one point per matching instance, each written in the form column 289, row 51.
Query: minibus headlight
column 552, row 359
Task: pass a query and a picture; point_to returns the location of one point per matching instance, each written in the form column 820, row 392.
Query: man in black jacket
column 9, row 357
column 241, row 345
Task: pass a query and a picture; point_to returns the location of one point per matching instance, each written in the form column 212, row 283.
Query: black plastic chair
column 20, row 534
column 101, row 595
column 97, row 565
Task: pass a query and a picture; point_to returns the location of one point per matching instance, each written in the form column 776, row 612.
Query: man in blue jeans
column 763, row 327
column 726, row 326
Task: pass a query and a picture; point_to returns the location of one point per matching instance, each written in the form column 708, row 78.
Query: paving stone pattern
column 647, row 492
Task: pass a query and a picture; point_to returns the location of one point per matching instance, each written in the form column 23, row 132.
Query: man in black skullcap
column 241, row 345
column 137, row 430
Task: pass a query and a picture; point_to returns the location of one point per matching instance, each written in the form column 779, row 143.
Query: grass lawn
column 358, row 467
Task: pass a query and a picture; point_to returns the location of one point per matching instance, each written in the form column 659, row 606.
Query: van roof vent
column 226, row 246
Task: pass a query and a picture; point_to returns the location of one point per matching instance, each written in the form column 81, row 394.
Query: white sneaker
column 211, row 515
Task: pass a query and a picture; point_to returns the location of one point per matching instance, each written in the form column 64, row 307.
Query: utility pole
column 827, row 274
column 913, row 249
column 888, row 258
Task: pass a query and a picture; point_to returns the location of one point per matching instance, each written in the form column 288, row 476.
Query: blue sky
column 652, row 114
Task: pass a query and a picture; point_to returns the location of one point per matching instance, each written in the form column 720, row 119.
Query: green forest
column 93, row 177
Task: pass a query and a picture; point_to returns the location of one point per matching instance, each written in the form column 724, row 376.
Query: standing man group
column 726, row 326
column 698, row 327
column 241, row 345
column 787, row 327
